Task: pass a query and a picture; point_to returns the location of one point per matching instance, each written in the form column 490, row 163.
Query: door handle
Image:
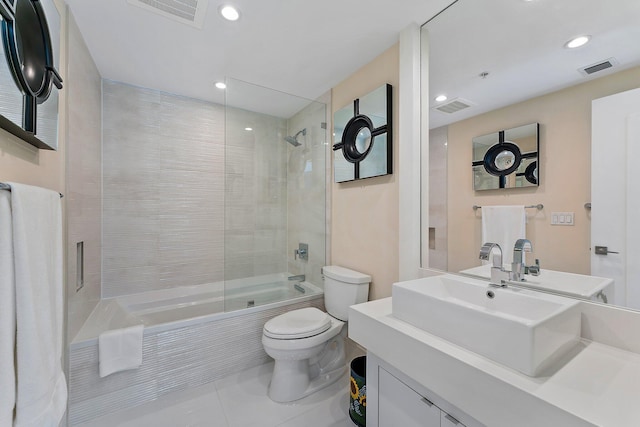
column 604, row 250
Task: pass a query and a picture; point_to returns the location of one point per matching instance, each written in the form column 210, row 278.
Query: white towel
column 41, row 393
column 7, row 314
column 120, row 349
column 503, row 225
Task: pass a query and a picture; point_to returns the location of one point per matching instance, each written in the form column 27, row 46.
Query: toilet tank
column 343, row 288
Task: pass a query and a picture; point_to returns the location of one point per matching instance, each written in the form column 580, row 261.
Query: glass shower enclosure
column 275, row 195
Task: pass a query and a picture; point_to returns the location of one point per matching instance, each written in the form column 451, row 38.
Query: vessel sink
column 574, row 285
column 518, row 328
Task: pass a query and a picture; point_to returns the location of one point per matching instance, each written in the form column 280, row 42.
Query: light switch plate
column 562, row 218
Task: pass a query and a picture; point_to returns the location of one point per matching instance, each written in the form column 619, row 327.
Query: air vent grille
column 189, row 12
column 454, row 106
column 600, row 66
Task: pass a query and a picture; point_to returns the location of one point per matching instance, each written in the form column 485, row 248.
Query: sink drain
column 491, row 294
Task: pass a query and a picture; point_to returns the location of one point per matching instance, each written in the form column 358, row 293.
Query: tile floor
column 238, row 401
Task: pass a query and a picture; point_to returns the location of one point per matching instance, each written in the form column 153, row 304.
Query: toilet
column 307, row 345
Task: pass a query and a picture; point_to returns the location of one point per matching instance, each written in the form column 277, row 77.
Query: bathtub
column 193, row 335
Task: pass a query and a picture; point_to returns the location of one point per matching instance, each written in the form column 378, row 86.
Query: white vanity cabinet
column 400, row 405
column 395, row 400
column 479, row 392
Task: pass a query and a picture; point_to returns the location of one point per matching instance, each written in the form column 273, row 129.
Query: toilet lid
column 302, row 323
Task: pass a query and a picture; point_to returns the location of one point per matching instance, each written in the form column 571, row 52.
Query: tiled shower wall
column 84, row 179
column 438, row 228
column 306, row 189
column 164, row 194
column 255, row 194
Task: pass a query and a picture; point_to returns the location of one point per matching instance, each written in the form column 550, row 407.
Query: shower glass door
column 275, row 186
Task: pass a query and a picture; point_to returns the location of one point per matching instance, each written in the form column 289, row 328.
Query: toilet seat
column 296, row 324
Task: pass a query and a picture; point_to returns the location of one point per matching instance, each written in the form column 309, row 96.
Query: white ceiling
column 521, row 44
column 301, row 47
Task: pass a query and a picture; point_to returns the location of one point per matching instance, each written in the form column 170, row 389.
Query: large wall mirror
column 499, row 65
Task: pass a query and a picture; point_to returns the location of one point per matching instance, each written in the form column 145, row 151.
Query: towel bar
column 539, row 206
column 7, row 187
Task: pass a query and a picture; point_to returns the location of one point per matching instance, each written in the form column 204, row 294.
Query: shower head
column 293, row 140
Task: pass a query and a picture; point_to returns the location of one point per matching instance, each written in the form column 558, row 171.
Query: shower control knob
column 302, row 252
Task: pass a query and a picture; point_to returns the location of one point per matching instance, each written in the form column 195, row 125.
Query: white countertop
column 598, row 384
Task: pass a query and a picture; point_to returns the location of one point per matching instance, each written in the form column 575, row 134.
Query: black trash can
column 358, row 391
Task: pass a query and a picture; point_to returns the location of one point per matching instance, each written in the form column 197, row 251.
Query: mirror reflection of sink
column 574, row 285
column 523, row 330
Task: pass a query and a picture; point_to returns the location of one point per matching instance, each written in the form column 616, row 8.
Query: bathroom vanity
column 418, row 378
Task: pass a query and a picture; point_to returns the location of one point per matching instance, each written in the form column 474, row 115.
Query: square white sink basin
column 595, row 288
column 520, row 329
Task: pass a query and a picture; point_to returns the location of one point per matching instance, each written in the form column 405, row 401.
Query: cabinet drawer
column 400, row 405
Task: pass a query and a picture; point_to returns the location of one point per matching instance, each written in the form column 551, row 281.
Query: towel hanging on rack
column 41, row 390
column 504, row 225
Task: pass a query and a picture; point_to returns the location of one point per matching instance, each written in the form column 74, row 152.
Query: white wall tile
column 84, row 178
column 179, row 174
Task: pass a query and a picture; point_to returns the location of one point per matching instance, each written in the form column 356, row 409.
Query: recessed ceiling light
column 248, row 129
column 441, row 98
column 229, row 13
column 577, row 42
column 221, row 85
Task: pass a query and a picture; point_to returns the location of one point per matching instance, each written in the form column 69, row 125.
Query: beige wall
column 364, row 225
column 21, row 162
column 565, row 167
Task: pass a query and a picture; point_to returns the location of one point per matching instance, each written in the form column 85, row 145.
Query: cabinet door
column 448, row 421
column 400, row 405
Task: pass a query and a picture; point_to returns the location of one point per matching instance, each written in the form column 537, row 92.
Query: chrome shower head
column 293, row 140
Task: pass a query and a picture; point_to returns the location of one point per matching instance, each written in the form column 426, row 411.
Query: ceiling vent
column 599, row 66
column 190, row 12
column 454, row 106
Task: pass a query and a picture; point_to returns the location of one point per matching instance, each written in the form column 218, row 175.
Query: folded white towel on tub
column 120, row 349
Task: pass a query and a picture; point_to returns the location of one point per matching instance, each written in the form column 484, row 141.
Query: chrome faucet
column 299, row 278
column 498, row 274
column 518, row 266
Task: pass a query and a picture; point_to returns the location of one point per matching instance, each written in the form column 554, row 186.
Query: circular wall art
column 363, row 143
column 29, row 54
